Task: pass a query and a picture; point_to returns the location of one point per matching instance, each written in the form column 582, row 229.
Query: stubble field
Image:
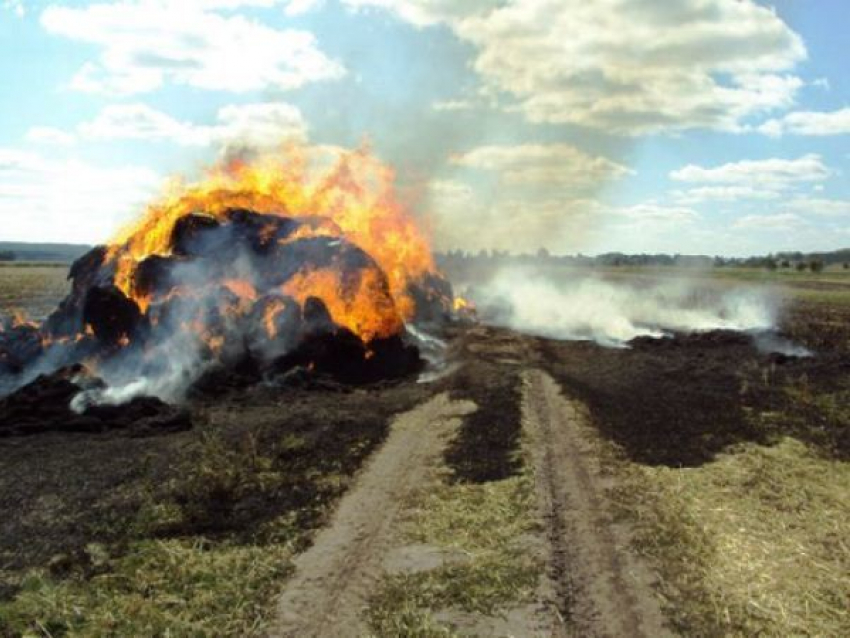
column 32, row 288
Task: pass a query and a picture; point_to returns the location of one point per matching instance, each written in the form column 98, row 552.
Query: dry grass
column 486, row 524
column 752, row 544
column 159, row 588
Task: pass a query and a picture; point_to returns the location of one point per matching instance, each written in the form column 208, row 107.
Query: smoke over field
column 580, row 305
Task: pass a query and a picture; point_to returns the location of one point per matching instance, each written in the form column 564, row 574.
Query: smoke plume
column 612, row 313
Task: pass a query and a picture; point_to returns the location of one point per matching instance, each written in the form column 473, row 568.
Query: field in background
column 816, row 305
column 36, row 287
column 32, row 288
column 831, row 285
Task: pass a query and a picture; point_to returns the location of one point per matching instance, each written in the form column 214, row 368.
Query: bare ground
column 596, row 587
column 334, row 577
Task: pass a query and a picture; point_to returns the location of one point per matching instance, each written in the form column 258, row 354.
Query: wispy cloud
column 50, row 135
column 813, row 123
column 780, row 222
column 68, row 200
column 261, row 125
column 542, row 164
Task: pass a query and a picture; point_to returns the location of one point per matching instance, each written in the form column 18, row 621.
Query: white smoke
column 586, row 307
column 181, row 364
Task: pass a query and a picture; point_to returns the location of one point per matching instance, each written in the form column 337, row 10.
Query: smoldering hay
column 280, row 262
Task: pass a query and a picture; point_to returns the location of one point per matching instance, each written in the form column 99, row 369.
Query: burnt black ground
column 663, row 403
column 680, row 402
column 486, row 447
column 60, row 492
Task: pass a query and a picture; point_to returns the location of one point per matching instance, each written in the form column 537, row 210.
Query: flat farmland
column 32, row 288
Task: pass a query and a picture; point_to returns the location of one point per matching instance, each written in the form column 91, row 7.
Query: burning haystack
column 266, row 266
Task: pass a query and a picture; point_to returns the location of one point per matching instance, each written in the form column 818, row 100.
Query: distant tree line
column 23, row 251
column 815, row 265
column 814, row 262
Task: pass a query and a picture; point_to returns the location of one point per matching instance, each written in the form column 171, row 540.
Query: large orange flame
column 348, row 194
column 353, row 306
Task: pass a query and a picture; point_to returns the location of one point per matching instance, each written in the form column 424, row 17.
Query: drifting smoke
column 613, row 313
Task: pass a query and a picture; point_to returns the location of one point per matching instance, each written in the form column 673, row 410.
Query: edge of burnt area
column 680, row 402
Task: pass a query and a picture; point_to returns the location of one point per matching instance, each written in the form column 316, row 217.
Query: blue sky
column 700, row 126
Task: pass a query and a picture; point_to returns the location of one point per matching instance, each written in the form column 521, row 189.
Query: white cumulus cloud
column 771, row 174
column 300, row 7
column 722, row 194
column 145, row 44
column 625, row 66
column 423, row 13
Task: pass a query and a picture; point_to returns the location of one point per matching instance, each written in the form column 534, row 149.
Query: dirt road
column 333, row 578
column 592, row 585
column 600, row 589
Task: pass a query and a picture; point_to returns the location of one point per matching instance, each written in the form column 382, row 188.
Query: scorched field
column 690, row 485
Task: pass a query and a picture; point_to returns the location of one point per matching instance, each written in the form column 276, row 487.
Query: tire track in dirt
column 600, row 588
column 334, row 578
